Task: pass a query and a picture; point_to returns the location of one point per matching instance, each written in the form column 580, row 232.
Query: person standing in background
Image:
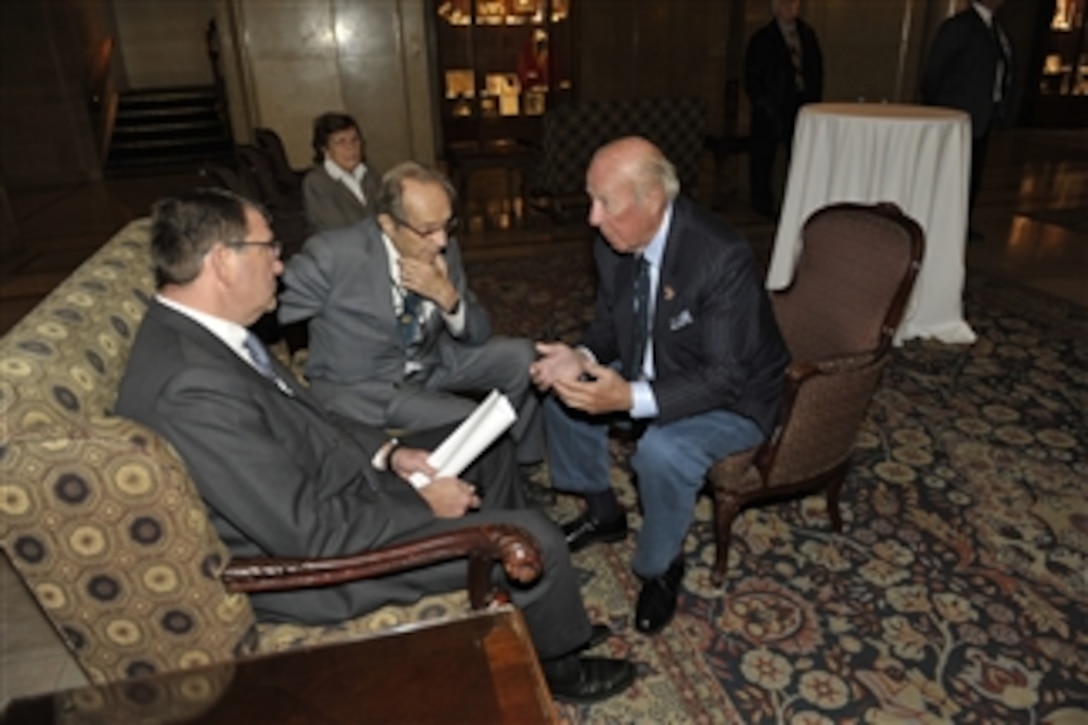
column 783, row 70
column 969, row 67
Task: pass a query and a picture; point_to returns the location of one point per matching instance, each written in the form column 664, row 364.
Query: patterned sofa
column 572, row 133
column 99, row 516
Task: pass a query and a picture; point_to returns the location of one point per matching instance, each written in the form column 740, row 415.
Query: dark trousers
column 979, row 144
column 765, row 140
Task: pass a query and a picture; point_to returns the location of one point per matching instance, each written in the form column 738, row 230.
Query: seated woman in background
column 341, row 189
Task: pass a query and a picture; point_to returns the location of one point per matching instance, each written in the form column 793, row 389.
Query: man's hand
column 430, row 280
column 406, row 461
column 450, row 498
column 557, row 361
column 606, row 392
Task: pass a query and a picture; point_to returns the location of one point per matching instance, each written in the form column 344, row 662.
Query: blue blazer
column 715, row 339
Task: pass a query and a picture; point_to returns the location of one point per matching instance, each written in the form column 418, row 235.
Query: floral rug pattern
column 958, row 589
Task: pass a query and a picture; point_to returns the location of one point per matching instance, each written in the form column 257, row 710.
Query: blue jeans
column 670, row 462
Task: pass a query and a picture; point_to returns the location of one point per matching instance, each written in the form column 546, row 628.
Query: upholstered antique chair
column 839, row 316
column 103, row 524
column 288, row 179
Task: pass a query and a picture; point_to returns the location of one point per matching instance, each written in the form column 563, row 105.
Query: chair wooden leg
column 724, row 513
column 834, row 487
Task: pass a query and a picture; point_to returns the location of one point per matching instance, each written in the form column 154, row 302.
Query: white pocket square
column 681, row 320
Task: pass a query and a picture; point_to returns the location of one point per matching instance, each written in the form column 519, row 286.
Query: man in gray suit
column 281, row 477
column 396, row 337
column 683, row 347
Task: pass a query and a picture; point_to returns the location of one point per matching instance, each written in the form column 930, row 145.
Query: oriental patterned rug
column 958, row 589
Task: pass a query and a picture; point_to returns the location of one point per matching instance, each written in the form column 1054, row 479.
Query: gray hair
column 391, row 195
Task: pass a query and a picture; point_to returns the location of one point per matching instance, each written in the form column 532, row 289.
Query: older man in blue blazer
column 683, row 345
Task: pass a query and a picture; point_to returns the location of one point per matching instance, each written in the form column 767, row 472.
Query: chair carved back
column 857, row 268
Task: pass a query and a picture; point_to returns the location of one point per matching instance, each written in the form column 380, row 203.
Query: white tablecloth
column 915, row 156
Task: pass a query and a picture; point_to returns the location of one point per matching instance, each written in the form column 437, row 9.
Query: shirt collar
column 393, row 256
column 986, row 13
column 355, row 176
column 655, row 250
column 232, row 334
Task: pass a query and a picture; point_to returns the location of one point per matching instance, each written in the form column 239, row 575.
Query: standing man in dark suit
column 341, row 189
column 683, row 345
column 969, row 67
column 280, row 477
column 783, row 70
column 397, row 338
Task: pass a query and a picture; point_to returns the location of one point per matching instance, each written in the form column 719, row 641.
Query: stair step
column 168, row 95
column 128, row 115
column 171, row 128
column 168, row 127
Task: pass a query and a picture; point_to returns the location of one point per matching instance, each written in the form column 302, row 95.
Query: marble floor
column 1033, row 211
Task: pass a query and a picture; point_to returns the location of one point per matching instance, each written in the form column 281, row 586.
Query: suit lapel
column 197, row 335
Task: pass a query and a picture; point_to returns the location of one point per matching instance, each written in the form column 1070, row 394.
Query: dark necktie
column 642, row 317
column 408, row 321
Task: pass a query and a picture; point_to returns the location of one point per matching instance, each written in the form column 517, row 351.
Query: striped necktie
column 793, row 40
column 408, row 321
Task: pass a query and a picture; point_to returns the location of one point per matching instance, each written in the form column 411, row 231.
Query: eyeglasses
column 275, row 245
column 448, row 228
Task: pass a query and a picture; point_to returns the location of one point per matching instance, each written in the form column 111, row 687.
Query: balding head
column 630, row 184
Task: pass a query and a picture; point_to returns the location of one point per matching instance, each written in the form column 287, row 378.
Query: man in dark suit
column 783, row 70
column 341, row 188
column 969, row 67
column 281, row 477
column 396, row 337
column 683, row 345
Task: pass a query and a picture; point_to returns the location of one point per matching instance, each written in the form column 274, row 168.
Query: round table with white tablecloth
column 915, row 156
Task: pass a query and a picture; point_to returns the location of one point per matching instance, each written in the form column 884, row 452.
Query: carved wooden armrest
column 513, row 547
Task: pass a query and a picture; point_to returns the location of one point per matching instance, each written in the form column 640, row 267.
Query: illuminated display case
column 502, row 64
column 1065, row 62
column 1062, row 92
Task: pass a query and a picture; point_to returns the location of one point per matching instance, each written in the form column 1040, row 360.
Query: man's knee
column 543, row 529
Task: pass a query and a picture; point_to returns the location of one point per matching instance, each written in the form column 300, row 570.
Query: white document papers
column 490, row 420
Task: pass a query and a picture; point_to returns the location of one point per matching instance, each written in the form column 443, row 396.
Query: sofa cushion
column 62, row 363
column 105, row 527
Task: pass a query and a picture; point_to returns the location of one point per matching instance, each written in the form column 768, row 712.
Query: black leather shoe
column 591, row 679
column 586, row 530
column 657, row 600
column 536, row 495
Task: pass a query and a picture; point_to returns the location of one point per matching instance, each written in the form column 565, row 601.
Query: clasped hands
column 579, row 382
column 448, row 497
column 429, row 279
